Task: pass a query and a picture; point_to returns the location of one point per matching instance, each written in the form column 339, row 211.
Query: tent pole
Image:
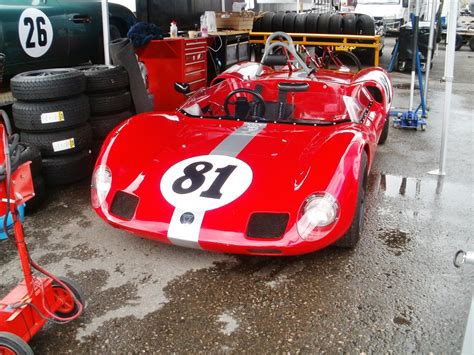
column 449, row 73
column 430, row 49
column 105, row 30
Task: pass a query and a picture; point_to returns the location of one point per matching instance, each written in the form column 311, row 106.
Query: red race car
column 264, row 161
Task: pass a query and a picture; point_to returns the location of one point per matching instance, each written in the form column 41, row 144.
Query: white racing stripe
column 183, row 230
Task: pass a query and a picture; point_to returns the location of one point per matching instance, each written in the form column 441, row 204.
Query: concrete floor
column 396, row 292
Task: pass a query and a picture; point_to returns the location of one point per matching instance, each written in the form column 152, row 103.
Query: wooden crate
column 235, row 21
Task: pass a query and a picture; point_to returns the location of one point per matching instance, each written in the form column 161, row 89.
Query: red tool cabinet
column 171, row 60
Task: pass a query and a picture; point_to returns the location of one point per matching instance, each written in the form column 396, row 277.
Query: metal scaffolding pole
column 430, row 48
column 105, row 30
column 450, row 53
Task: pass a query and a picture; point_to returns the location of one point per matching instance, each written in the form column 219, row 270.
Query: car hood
column 287, row 162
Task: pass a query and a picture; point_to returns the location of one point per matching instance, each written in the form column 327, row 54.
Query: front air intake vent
column 124, row 205
column 267, row 225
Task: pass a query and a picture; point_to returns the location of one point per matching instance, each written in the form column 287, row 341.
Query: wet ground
column 396, row 292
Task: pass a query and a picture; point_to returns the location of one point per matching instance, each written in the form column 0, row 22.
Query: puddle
column 396, row 240
column 401, row 186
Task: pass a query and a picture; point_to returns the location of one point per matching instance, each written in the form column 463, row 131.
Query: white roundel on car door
column 205, row 182
column 35, row 32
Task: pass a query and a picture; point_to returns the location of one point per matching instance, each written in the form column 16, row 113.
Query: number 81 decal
column 205, row 182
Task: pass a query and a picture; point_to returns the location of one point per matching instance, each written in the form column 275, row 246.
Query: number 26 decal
column 35, row 32
column 205, row 182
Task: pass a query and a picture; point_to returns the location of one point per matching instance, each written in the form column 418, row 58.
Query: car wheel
column 459, row 42
column 384, row 134
column 63, row 170
column 61, row 142
column 102, row 125
column 311, row 25
column 69, row 307
column 351, row 238
column 109, row 103
column 50, row 116
column 106, row 78
column 13, row 344
column 48, row 84
column 40, row 194
column 471, row 43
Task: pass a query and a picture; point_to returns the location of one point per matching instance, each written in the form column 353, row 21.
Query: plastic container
column 21, row 212
column 173, row 30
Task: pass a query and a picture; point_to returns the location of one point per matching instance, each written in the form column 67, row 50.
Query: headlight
column 100, row 186
column 318, row 210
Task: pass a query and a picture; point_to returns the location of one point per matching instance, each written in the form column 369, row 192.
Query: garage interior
column 396, row 291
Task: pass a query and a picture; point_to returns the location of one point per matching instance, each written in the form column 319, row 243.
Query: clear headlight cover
column 318, row 210
column 100, row 186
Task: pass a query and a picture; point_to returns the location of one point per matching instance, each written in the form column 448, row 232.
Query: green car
column 37, row 34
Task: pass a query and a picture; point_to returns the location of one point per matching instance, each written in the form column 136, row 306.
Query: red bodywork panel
column 288, row 160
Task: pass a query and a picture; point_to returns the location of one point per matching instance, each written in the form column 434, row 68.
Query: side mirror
column 182, row 88
column 405, row 3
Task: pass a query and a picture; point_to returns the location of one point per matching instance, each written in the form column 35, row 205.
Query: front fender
column 335, row 169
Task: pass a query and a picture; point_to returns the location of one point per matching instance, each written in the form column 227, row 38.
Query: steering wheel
column 254, row 104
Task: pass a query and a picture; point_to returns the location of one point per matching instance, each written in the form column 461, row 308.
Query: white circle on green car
column 205, row 182
column 35, row 32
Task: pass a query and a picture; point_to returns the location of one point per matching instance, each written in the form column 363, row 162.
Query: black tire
column 384, row 134
column 110, row 103
column 352, row 236
column 349, row 24
column 12, row 342
column 323, row 23
column 257, row 25
column 365, row 25
column 300, row 23
column 459, row 42
column 40, row 195
column 289, row 22
column 29, row 116
column 348, row 59
column 48, row 84
column 63, row 170
column 48, row 144
column 104, row 78
column 102, row 125
column 277, row 22
column 311, row 25
column 76, row 291
column 267, row 21
column 31, row 153
column 471, row 43
column 335, row 24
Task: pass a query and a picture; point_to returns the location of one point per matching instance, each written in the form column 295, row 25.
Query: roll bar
column 290, row 47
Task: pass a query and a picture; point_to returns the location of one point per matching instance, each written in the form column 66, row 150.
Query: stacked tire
column 291, row 22
column 349, row 24
column 51, row 114
column 109, row 97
